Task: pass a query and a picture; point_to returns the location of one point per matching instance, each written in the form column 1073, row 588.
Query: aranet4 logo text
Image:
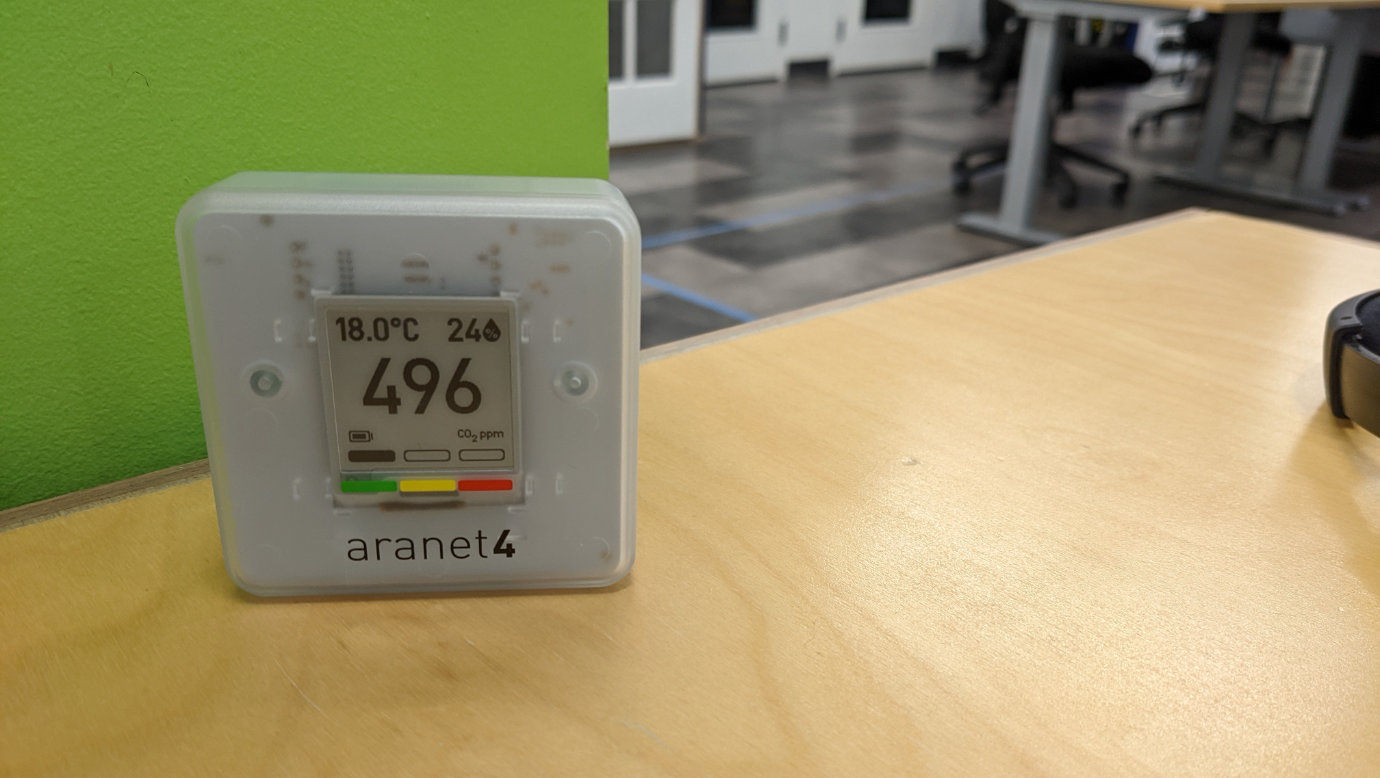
column 407, row 549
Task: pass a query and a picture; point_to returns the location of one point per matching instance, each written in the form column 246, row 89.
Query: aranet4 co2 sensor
column 416, row 382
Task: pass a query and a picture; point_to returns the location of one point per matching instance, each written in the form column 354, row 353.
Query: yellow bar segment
column 417, row 485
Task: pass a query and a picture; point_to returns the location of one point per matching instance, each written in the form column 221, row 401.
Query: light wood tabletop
column 1078, row 512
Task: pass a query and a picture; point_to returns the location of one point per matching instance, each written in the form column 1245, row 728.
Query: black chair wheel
column 1119, row 190
column 1135, row 130
column 1267, row 147
column 962, row 184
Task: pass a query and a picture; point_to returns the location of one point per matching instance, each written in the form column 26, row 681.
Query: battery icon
column 361, row 436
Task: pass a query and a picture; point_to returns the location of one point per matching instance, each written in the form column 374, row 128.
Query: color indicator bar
column 368, row 486
column 426, row 485
column 486, row 485
column 429, row 486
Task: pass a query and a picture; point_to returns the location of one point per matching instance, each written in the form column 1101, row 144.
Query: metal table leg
column 1025, row 167
column 1237, row 30
column 1316, row 166
column 1309, row 191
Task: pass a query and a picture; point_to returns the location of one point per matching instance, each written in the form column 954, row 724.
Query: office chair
column 1201, row 38
column 1083, row 67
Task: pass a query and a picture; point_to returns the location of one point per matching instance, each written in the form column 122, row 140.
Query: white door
column 812, row 29
column 878, row 34
column 744, row 40
column 654, row 69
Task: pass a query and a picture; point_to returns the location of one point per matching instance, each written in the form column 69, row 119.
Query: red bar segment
column 487, row 485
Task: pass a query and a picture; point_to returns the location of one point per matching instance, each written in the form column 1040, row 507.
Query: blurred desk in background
column 1030, row 129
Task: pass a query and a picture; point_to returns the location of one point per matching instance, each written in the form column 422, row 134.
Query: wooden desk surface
column 1083, row 514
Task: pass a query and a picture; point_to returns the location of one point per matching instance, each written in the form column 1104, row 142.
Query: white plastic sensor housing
column 416, row 383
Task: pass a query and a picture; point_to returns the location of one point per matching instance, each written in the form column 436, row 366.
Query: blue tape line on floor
column 666, row 287
column 925, row 186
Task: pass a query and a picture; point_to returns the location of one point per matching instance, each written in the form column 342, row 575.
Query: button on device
column 576, row 381
column 265, row 381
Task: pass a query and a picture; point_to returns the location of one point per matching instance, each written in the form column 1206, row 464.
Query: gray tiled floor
column 809, row 190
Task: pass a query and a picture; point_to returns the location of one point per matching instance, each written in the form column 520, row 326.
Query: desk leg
column 1025, row 166
column 1237, row 30
column 1316, row 166
column 1308, row 191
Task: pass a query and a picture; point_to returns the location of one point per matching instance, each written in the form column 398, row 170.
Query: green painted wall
column 112, row 114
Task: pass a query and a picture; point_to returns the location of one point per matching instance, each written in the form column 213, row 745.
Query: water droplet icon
column 491, row 331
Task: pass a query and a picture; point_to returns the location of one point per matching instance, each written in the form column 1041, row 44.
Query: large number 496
column 427, row 385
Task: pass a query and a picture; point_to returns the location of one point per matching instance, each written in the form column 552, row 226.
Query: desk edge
column 826, row 308
column 72, row 502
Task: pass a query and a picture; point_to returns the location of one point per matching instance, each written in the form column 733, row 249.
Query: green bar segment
column 368, row 486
